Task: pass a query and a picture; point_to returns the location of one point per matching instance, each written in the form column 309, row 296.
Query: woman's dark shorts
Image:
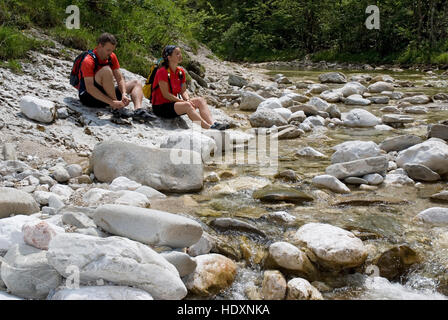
column 92, row 102
column 165, row 110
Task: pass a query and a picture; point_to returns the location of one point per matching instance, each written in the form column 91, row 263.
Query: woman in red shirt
column 169, row 83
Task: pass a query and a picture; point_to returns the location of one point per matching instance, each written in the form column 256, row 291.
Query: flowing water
column 387, row 212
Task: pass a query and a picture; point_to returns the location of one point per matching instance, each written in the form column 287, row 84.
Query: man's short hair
column 107, row 37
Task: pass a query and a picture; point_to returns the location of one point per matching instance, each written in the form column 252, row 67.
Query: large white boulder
column 148, row 226
column 250, row 101
column 358, row 168
column 38, row 109
column 354, row 150
column 190, row 140
column 173, row 170
column 359, row 118
column 266, row 118
column 118, row 260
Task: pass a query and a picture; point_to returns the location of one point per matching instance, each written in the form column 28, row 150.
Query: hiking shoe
column 122, row 113
column 219, row 126
column 143, row 115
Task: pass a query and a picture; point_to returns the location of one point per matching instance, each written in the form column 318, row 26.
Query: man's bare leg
column 105, row 78
column 134, row 88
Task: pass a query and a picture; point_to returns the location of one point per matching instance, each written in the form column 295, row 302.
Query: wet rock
column 39, row 234
column 333, row 77
column 420, row 172
column 203, row 246
column 288, row 175
column 355, row 150
column 380, row 86
column 355, row 181
column 399, row 143
column 266, row 118
column 226, row 224
column 13, row 201
column 167, row 170
column 290, row 257
column 443, row 196
column 273, row 286
column 102, row 293
column 390, row 109
column 396, row 119
column 416, row 110
column 118, row 260
column 310, row 152
column 358, row 168
column 330, row 182
column 438, row 131
column 26, row 272
column 213, row 273
column 373, row 179
column 38, row 109
column 436, row 216
column 301, row 289
column 182, row 261
column 379, row 99
column 148, row 226
column 193, row 141
column 396, row 261
column 359, row 118
column 282, row 217
column 432, row 153
column 331, row 247
column 273, row 193
column 297, row 97
column 250, row 101
column 419, row 99
column 291, row 132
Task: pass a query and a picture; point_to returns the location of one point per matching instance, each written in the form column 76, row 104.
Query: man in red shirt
column 97, row 87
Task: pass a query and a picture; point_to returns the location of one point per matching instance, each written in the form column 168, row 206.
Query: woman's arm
column 184, row 92
column 163, row 85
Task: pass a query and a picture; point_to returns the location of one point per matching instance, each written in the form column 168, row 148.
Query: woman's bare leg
column 185, row 107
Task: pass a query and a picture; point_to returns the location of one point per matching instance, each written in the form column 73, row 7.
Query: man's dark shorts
column 92, row 102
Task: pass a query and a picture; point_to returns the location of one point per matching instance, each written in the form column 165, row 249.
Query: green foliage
column 14, row 44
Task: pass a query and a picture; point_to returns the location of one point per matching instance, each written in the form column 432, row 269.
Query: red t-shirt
column 176, row 84
column 88, row 65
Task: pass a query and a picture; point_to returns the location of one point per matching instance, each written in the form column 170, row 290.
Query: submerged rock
column 272, row 193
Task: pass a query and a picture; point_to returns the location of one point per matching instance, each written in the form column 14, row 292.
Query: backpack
column 147, row 88
column 74, row 75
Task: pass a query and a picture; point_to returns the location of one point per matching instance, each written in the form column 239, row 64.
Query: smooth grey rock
column 182, row 261
column 60, row 174
column 359, row 118
column 358, row 168
column 436, row 216
column 357, row 99
column 352, row 88
column 373, row 179
column 309, row 110
column 420, row 172
column 443, row 195
column 148, row 226
column 400, row 143
column 123, row 183
column 162, row 169
column 380, row 86
column 419, row 99
column 118, row 260
column 238, row 81
column 74, row 170
column 13, row 201
column 331, row 96
column 416, row 110
column 330, row 182
column 317, row 88
column 266, row 118
column 318, row 103
column 203, row 246
column 235, row 224
column 355, row 150
column 250, row 101
column 355, row 180
column 396, row 118
column 150, row 193
column 26, row 272
column 438, row 131
column 333, row 77
column 298, row 116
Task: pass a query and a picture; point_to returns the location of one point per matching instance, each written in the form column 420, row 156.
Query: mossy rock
column 275, row 193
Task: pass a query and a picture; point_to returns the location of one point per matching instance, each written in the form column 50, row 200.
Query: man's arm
column 120, row 81
column 97, row 94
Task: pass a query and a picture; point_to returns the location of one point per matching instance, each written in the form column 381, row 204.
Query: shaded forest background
column 411, row 31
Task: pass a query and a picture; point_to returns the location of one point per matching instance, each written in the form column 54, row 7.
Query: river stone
column 333, row 247
column 291, row 132
column 13, row 201
column 390, row 109
column 318, row 103
column 162, row 169
column 273, row 286
column 398, row 180
column 395, row 262
column 442, row 196
column 131, row 198
column 26, row 272
column 420, row 172
column 330, row 182
column 250, row 101
column 285, row 113
column 238, row 81
column 400, row 143
column 190, row 140
column 63, row 191
column 309, row 152
column 213, row 273
column 352, row 88
column 296, row 97
column 438, row 131
column 55, row 202
column 379, row 99
column 380, row 86
column 307, row 109
column 60, row 174
column 358, row 168
column 102, row 293
column 419, row 99
column 42, row 197
column 203, row 246
column 11, row 231
column 357, row 99
column 331, row 95
column 290, row 257
column 150, row 193
column 359, row 118
column 148, row 226
column 123, row 183
column 373, row 179
column 270, row 104
column 301, row 289
column 118, row 260
column 416, row 110
column 297, row 116
column 39, row 234
column 266, row 118
column 436, row 216
column 182, row 261
column 432, row 153
column 77, row 219
column 355, row 150
column 286, row 101
column 74, row 170
column 317, row 88
column 38, row 109
column 235, row 224
column 333, row 77
column 273, row 193
column 397, row 118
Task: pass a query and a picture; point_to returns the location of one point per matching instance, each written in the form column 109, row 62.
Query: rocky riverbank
column 361, row 186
